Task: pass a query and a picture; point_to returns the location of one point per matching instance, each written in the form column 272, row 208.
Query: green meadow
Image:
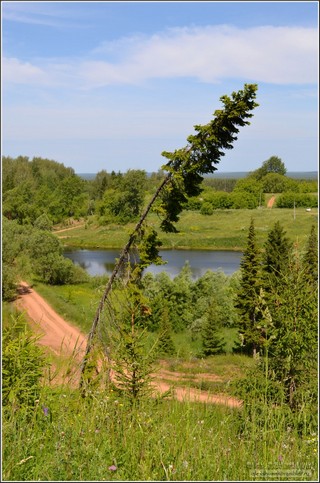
column 223, row 230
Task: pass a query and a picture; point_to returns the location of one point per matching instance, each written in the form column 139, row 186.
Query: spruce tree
column 165, row 343
column 212, row 342
column 278, row 249
column 132, row 360
column 294, row 312
column 248, row 295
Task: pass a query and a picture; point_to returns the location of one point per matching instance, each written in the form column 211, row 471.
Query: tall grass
column 100, row 438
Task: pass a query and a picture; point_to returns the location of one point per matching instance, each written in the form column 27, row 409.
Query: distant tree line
column 32, row 188
column 41, row 186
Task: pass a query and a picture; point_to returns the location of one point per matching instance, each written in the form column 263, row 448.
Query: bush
column 22, row 365
column 43, row 222
column 9, row 282
column 55, row 269
column 206, row 208
column 194, row 203
column 243, row 200
column 300, row 200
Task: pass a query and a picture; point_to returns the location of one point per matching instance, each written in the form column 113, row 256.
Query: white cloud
column 264, row 54
column 39, row 13
column 280, row 55
column 15, row 71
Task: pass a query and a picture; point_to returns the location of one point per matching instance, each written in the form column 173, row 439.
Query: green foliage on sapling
column 23, row 362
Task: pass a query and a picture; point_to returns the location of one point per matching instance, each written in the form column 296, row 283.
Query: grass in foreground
column 100, row 438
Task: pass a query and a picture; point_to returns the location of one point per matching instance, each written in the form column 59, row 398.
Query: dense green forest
column 120, row 197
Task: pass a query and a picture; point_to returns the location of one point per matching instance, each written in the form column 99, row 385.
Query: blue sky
column 110, row 85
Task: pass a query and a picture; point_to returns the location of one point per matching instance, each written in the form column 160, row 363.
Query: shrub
column 206, row 208
column 243, row 200
column 300, row 200
column 55, row 269
column 22, row 365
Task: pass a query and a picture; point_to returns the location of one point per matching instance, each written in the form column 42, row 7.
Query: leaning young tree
column 185, row 169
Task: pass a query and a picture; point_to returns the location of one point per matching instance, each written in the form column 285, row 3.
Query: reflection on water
column 101, row 262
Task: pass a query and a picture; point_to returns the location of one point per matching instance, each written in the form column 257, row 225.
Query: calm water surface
column 101, row 262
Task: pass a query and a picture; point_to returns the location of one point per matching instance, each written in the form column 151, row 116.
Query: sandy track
column 64, row 339
column 271, row 202
column 67, row 229
column 57, row 334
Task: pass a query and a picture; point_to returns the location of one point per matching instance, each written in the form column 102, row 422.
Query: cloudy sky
column 110, row 85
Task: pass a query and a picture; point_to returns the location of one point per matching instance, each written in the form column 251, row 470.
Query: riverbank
column 223, row 230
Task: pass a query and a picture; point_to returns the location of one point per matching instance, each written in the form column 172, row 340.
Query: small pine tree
column 165, row 343
column 212, row 342
column 248, row 295
column 132, row 360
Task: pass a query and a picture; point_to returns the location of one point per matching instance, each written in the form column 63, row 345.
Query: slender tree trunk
column 116, row 269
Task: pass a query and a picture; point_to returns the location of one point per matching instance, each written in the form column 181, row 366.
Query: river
column 101, row 262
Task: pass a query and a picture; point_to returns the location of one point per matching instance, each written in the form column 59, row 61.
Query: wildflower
column 45, row 410
column 185, row 464
column 112, row 468
column 280, row 458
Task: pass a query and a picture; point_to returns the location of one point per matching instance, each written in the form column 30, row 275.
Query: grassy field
column 223, row 230
column 101, row 438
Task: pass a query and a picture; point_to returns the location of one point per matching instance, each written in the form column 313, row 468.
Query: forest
column 259, row 326
column 120, row 197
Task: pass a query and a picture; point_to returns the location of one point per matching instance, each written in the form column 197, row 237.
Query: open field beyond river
column 223, row 230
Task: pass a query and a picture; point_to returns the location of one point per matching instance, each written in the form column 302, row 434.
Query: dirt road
column 271, row 202
column 57, row 334
column 66, row 340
